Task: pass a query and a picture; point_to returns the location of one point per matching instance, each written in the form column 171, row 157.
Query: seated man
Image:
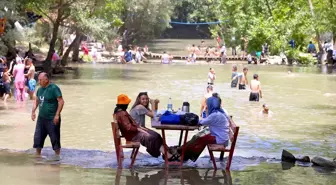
column 127, row 57
column 132, row 132
column 218, row 123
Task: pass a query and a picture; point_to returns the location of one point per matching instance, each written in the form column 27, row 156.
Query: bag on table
column 189, row 119
column 169, row 118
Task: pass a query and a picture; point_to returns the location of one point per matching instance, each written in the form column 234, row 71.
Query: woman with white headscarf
column 19, row 81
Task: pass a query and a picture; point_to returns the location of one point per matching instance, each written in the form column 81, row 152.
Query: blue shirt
column 128, row 56
column 218, row 125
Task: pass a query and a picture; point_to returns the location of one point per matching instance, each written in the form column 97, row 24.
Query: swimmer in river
column 242, row 79
column 234, row 77
column 266, row 111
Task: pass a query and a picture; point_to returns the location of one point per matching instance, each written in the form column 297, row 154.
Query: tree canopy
column 243, row 22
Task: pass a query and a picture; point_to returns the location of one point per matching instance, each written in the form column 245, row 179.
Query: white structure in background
column 18, row 26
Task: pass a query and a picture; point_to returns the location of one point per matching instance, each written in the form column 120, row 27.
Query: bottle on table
column 170, row 105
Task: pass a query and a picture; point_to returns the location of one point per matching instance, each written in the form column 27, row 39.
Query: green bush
column 306, row 59
column 86, row 58
column 295, row 55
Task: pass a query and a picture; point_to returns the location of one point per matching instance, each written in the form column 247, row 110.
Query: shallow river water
column 304, row 107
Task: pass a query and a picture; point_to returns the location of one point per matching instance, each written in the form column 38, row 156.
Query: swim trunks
column 242, row 87
column 6, row 87
column 32, row 85
column 254, row 96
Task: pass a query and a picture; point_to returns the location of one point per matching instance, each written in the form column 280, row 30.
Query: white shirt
column 223, row 49
column 211, row 77
column 165, row 58
column 249, row 57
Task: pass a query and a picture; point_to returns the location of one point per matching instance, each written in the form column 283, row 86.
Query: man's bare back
column 255, row 86
column 31, row 72
column 243, row 80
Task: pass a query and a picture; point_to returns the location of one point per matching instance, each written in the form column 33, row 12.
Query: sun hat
column 123, row 99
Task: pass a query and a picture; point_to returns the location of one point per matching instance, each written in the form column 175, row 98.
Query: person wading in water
column 30, row 75
column 203, row 113
column 211, row 76
column 255, row 88
column 234, row 79
column 50, row 103
column 242, row 79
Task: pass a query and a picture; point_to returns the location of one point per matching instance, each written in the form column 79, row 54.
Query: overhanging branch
column 44, row 13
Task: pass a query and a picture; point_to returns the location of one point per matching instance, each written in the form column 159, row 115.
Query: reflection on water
column 22, row 169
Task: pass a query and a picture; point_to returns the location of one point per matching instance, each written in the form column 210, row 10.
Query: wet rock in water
column 320, row 161
column 287, row 157
column 302, row 158
column 287, row 165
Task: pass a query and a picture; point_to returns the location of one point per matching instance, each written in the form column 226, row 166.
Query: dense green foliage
column 244, row 23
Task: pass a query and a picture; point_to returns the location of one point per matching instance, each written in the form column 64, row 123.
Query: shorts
column 233, row 85
column 2, row 88
column 210, row 83
column 254, row 96
column 6, row 87
column 242, row 87
column 46, row 127
column 32, row 85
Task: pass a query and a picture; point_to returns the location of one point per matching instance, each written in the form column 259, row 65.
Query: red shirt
column 86, row 51
column 127, row 125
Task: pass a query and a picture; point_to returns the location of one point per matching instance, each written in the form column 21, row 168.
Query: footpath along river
column 303, row 122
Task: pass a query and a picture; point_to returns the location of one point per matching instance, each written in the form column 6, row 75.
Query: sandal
column 174, row 157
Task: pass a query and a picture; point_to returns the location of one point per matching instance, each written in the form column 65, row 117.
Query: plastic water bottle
column 170, row 105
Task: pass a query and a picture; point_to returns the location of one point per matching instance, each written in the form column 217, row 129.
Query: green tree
column 146, row 19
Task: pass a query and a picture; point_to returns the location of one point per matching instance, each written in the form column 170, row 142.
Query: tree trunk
column 11, row 53
column 70, row 48
column 75, row 51
column 61, row 47
column 321, row 51
column 47, row 62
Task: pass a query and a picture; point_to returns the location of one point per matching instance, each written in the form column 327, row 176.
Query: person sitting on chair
column 141, row 108
column 218, row 123
column 132, row 132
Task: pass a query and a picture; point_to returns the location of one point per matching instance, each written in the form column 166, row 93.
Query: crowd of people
column 50, row 103
column 21, row 73
column 132, row 125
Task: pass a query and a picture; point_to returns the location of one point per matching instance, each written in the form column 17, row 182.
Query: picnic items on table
column 186, row 107
column 170, row 105
column 189, row 119
column 170, row 118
